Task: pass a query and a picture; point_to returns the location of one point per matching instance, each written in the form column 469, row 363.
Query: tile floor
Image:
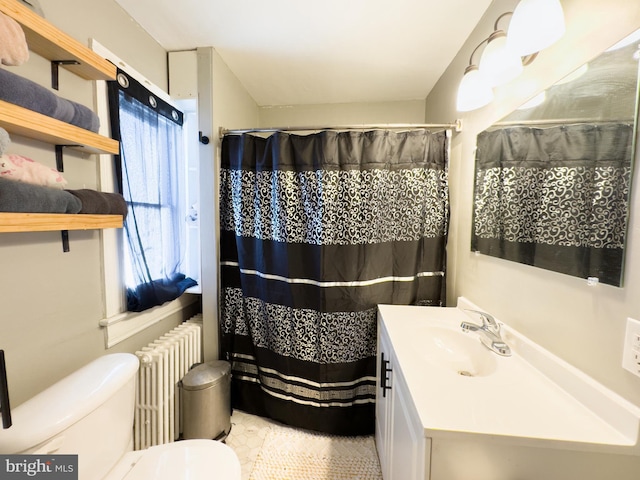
column 246, row 438
column 248, row 435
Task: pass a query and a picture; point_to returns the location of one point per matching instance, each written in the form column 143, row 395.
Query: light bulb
column 474, row 91
column 535, row 25
column 499, row 64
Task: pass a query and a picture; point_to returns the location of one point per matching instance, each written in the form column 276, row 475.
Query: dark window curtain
column 316, row 230
column 150, row 177
column 555, row 198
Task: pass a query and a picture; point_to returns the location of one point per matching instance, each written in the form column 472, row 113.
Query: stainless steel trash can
column 206, row 401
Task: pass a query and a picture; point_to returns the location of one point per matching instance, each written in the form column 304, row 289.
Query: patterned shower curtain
column 555, row 198
column 316, row 230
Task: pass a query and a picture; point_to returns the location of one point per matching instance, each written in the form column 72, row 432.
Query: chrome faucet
column 489, row 333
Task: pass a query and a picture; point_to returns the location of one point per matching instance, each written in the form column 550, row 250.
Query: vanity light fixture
column 499, row 63
column 535, row 25
column 474, row 90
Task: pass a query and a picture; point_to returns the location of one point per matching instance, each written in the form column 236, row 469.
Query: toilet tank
column 88, row 413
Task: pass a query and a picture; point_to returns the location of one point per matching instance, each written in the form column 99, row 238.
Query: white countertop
column 508, row 399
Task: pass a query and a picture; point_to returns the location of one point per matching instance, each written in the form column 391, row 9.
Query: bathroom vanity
column 449, row 408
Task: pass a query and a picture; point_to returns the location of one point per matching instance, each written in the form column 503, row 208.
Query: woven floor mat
column 293, row 455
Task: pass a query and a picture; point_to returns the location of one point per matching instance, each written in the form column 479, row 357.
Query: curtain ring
column 123, row 80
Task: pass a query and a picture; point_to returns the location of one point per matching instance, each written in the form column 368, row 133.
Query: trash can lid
column 206, row 375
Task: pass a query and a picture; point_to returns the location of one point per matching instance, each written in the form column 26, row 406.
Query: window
column 156, row 256
column 150, row 175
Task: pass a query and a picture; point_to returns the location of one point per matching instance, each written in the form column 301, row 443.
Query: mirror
column 552, row 179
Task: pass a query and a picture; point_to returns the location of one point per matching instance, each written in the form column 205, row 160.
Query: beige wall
column 342, row 114
column 108, row 23
column 223, row 102
column 51, row 302
column 583, row 325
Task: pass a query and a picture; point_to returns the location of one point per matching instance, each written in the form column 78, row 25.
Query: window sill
column 125, row 325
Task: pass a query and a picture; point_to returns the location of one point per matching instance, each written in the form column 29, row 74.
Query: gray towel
column 25, row 93
column 24, row 197
column 94, row 202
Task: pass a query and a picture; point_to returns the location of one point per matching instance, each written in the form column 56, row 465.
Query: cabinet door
column 383, row 405
column 408, row 455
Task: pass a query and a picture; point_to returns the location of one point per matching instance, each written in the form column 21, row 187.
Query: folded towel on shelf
column 27, row 198
column 84, row 117
column 94, row 202
column 5, row 140
column 25, row 93
column 23, row 169
column 14, row 50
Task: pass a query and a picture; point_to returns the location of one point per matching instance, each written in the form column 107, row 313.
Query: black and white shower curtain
column 316, row 230
column 555, row 197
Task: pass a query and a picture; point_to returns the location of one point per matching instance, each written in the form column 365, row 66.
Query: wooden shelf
column 41, row 222
column 21, row 121
column 53, row 44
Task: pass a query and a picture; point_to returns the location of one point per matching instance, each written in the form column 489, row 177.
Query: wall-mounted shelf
column 49, row 42
column 63, row 51
column 41, row 222
column 28, row 123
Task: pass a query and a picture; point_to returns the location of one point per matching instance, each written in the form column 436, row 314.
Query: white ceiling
column 294, row 52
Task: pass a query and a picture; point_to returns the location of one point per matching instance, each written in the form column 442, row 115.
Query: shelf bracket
column 54, row 70
column 65, row 240
column 59, row 160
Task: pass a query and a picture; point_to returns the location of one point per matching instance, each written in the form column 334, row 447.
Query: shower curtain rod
column 558, row 121
column 457, row 126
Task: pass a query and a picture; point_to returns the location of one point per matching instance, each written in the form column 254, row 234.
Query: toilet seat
column 192, row 459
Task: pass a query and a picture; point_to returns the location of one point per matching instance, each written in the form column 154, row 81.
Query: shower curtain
column 555, row 198
column 316, row 230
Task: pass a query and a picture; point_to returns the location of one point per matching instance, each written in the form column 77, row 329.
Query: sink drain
column 465, row 373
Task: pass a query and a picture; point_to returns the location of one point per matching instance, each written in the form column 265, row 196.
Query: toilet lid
column 187, row 459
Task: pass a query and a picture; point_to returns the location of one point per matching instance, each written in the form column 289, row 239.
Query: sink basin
column 505, row 415
column 457, row 352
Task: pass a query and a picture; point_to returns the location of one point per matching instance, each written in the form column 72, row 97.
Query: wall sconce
column 474, row 90
column 535, row 25
column 499, row 63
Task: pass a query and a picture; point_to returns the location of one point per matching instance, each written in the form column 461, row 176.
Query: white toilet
column 90, row 413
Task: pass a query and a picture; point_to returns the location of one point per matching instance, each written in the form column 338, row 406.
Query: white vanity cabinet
column 403, row 449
